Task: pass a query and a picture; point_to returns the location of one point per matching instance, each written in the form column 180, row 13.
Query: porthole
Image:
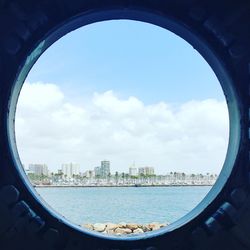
column 211, row 56
column 155, row 102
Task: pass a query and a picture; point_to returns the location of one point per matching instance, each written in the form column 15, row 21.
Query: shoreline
column 133, row 186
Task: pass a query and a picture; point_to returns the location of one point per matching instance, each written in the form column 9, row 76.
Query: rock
column 111, row 226
column 99, row 227
column 163, row 225
column 122, row 224
column 110, row 231
column 146, row 228
column 128, row 231
column 138, row 231
column 132, row 226
column 88, row 226
column 154, row 225
column 123, row 230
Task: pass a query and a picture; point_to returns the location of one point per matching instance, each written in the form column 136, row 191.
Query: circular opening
column 104, row 99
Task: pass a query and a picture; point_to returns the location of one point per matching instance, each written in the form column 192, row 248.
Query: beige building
column 39, row 169
column 146, row 171
column 70, row 169
column 133, row 171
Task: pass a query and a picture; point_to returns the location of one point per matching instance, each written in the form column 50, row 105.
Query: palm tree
column 175, row 176
column 183, row 175
column 116, row 177
column 52, row 179
column 208, row 176
column 109, row 176
column 126, row 176
column 192, row 178
column 123, row 176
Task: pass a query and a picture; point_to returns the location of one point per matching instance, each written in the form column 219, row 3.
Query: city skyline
column 132, row 170
column 70, row 175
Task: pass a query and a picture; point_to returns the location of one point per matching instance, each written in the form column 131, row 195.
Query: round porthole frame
column 213, row 55
column 172, row 26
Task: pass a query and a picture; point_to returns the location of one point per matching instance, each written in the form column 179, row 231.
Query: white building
column 105, row 168
column 133, row 171
column 70, row 169
column 39, row 169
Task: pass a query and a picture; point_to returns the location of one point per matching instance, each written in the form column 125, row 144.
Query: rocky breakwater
column 124, row 228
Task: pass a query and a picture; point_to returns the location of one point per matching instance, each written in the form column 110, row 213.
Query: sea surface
column 123, row 204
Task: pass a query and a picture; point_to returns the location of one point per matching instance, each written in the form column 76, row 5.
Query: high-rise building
column 149, row 170
column 146, row 171
column 133, row 171
column 97, row 171
column 105, row 168
column 70, row 169
column 39, row 169
column 141, row 171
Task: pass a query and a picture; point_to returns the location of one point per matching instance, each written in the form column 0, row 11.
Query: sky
column 124, row 91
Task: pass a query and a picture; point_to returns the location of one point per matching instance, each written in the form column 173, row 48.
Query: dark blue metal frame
column 212, row 42
column 178, row 28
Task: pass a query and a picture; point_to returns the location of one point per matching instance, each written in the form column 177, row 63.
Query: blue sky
column 130, row 58
column 127, row 92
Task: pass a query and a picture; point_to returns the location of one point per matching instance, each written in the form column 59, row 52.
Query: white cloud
column 191, row 137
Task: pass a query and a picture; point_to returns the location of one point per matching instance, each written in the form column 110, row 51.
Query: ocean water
column 123, row 204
